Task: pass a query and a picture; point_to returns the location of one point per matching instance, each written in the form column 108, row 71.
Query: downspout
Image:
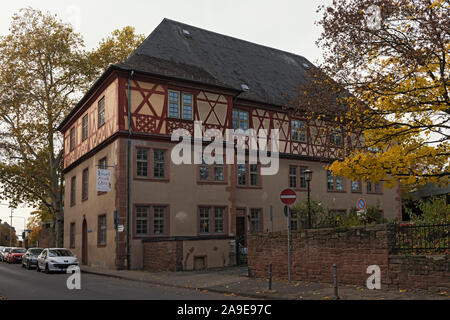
column 128, row 170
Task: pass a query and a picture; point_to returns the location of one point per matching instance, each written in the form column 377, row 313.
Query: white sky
column 283, row 24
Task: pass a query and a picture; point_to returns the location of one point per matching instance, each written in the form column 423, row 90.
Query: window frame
column 102, row 230
column 72, row 139
column 344, row 189
column 85, row 184
column 212, row 220
column 359, row 190
column 101, row 103
column 248, row 174
column 150, row 220
column 239, row 111
column 373, row 189
column 147, row 162
column 73, row 191
column 298, row 175
column 183, row 104
column 85, row 127
column 260, row 220
column 333, row 133
column 151, row 162
column 303, row 131
column 103, row 159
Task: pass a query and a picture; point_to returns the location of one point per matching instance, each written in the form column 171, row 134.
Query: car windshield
column 36, row 252
column 7, row 249
column 60, row 253
column 19, row 251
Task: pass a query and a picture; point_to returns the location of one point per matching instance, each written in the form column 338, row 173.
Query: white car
column 56, row 259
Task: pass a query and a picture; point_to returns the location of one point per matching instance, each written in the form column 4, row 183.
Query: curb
column 240, row 294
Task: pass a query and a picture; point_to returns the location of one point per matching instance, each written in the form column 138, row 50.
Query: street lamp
column 308, row 178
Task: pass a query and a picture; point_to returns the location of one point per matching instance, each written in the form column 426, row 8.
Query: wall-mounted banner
column 103, row 180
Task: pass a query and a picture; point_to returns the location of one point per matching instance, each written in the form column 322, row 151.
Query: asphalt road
column 17, row 283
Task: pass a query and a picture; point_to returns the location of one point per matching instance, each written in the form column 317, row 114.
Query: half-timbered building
column 184, row 217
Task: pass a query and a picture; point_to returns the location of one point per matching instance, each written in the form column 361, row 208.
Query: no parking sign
column 361, row 204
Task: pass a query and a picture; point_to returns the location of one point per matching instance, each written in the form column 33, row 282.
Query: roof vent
column 245, row 87
column 306, row 65
column 186, row 33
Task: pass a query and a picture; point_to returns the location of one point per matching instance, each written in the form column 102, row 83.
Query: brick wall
column 420, row 272
column 163, row 255
column 314, row 252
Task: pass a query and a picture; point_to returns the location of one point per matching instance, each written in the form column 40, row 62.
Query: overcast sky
column 283, row 24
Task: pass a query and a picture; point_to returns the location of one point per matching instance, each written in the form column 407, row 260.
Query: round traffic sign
column 361, row 204
column 288, row 196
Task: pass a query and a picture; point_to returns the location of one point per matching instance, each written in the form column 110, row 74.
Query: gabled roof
column 185, row 52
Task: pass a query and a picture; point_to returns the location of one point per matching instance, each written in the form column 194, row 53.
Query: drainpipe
column 128, row 170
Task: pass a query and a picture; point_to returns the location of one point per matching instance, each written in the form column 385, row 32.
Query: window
column 102, row 230
column 72, row 235
column 141, row 220
column 334, row 183
column 187, row 106
column 72, row 190
column 174, row 104
column 356, row 186
column 303, row 183
column 219, row 220
column 159, row 163
column 242, row 174
column 336, row 137
column 240, row 119
column 292, row 176
column 102, row 163
column 373, row 187
column 142, row 162
column 294, row 221
column 254, row 175
column 212, row 220
column 255, row 220
column 297, row 181
column 85, row 184
column 84, row 128
column 204, row 219
column 72, row 139
column 159, row 216
column 298, row 131
column 213, row 172
column 101, row 112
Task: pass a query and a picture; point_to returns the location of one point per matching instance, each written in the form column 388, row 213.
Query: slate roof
column 216, row 59
column 211, row 58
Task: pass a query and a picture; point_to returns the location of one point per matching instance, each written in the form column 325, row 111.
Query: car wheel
column 28, row 265
column 37, row 268
column 47, row 271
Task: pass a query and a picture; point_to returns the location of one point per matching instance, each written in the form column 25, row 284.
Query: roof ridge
column 242, row 40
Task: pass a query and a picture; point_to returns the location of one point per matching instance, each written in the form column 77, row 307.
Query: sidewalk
column 234, row 281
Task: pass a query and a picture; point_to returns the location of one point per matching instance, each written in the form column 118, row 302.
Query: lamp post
column 308, row 178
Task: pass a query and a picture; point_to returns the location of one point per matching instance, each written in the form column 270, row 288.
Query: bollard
column 336, row 294
column 270, row 276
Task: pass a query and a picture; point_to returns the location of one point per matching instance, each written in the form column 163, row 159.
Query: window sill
column 180, row 119
column 336, row 191
column 356, row 191
column 85, row 199
column 152, row 179
column 249, row 187
column 101, row 245
column 375, row 193
column 212, row 182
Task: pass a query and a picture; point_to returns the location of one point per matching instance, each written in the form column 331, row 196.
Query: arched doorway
column 84, row 243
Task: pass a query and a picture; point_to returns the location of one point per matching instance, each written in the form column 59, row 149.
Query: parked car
column 29, row 259
column 15, row 255
column 56, row 259
column 4, row 253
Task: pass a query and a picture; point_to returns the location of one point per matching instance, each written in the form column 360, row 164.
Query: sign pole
column 289, row 242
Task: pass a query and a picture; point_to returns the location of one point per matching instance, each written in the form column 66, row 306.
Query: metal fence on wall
column 432, row 238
